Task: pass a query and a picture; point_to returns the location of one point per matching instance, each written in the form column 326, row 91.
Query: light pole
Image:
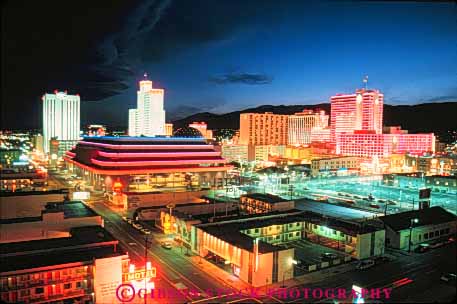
column 411, row 224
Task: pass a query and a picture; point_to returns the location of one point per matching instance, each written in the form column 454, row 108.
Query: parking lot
column 311, row 256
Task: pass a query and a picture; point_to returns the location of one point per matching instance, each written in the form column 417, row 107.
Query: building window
column 256, row 230
column 25, row 292
column 78, row 284
column 297, row 233
column 341, row 234
column 39, row 290
column 334, row 231
column 426, row 236
column 67, row 286
column 441, row 231
column 297, row 224
column 315, row 226
column 447, row 230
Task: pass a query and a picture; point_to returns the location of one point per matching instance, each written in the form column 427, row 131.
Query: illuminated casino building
column 61, row 118
column 360, row 111
column 301, row 124
column 148, row 164
column 369, row 144
column 148, row 118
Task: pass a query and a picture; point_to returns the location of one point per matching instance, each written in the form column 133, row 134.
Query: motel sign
column 139, row 275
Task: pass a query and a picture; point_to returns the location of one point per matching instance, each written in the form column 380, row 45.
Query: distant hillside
column 426, row 117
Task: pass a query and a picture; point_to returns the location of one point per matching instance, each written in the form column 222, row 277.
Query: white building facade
column 301, row 124
column 148, row 118
column 61, row 117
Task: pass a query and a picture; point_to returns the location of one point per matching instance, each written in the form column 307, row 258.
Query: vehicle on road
column 146, row 231
column 328, row 256
column 381, row 259
column 166, row 245
column 381, row 201
column 137, row 226
column 422, row 248
column 365, row 264
column 448, row 277
column 391, row 202
column 375, row 206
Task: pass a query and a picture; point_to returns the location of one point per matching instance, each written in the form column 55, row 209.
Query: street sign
column 425, row 193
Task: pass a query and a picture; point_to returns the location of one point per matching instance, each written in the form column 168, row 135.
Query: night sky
column 220, row 56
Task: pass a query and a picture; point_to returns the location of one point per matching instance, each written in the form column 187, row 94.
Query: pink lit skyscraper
column 360, row 111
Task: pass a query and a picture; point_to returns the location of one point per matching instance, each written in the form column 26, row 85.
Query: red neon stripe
column 157, row 154
column 152, row 147
column 154, row 162
column 145, row 171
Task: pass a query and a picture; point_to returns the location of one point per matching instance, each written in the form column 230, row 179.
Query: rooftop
column 429, row 216
column 70, row 209
column 142, row 139
column 230, row 230
column 265, row 197
column 25, row 193
column 84, row 244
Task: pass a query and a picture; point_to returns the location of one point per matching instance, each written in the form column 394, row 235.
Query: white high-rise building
column 301, row 124
column 61, row 117
column 148, row 118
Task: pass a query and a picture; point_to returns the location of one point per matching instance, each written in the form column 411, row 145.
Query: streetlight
column 411, row 224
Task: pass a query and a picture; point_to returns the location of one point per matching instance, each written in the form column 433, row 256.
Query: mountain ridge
column 423, row 117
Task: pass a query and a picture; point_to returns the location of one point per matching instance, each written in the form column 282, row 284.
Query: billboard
column 81, row 195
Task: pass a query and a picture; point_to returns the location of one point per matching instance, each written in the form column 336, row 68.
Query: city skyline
column 297, row 56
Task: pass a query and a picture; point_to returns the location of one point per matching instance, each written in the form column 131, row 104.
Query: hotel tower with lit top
column 61, row 118
column 148, row 118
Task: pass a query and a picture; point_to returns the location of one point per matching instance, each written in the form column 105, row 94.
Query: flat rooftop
column 25, row 193
column 84, row 244
column 429, row 216
column 229, row 230
column 70, row 209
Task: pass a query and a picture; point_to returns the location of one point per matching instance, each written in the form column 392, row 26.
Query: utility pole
column 145, row 262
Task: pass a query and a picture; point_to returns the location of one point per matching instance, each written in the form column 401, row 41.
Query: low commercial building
column 23, row 204
column 84, row 267
column 440, row 183
column 342, row 165
column 435, row 164
column 407, row 230
column 246, row 245
column 262, row 203
column 56, row 220
column 418, row 180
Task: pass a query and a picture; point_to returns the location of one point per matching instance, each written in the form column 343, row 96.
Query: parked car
column 375, row 206
column 166, row 245
column 422, row 248
column 448, row 277
column 328, row 256
column 391, row 202
column 365, row 264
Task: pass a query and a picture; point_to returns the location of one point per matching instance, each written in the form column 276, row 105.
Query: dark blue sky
column 220, row 56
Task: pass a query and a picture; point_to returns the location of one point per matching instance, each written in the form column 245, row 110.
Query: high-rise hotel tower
column 148, row 118
column 353, row 112
column 61, row 118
